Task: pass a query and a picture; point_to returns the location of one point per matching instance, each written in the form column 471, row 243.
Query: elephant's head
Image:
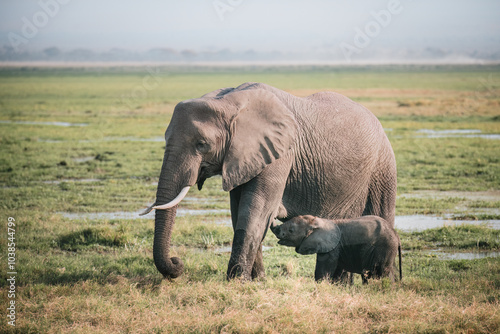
column 308, row 234
column 235, row 133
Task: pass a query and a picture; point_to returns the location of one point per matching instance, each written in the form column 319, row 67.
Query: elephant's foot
column 245, row 263
column 234, row 271
column 245, row 273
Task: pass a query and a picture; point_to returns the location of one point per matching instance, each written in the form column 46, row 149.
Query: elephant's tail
column 400, row 262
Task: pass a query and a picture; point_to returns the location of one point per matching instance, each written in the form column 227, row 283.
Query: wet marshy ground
column 456, row 133
column 409, row 223
column 442, row 254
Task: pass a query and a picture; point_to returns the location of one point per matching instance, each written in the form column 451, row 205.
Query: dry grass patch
column 279, row 305
column 420, row 102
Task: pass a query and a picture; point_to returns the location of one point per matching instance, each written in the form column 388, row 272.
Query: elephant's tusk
column 148, row 210
column 175, row 201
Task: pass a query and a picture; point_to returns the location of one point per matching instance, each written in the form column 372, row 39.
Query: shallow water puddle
column 64, row 124
column 444, row 255
column 403, row 223
column 203, row 201
column 72, row 180
column 106, row 139
column 125, row 139
column 227, row 249
column 493, row 195
column 224, row 222
column 458, row 133
column 83, row 159
column 135, row 215
column 199, row 212
column 421, row 222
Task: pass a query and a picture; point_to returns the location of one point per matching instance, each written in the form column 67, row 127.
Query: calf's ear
column 321, row 240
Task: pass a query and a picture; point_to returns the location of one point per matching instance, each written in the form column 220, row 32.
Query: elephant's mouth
column 202, row 176
column 201, row 180
column 206, row 171
column 285, row 242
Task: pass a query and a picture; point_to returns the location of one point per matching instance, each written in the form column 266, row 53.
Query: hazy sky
column 262, row 25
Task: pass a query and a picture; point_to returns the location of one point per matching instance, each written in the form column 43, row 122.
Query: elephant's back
column 340, row 106
column 376, row 229
column 342, row 135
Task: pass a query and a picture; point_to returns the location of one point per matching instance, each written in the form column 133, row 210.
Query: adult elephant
column 280, row 156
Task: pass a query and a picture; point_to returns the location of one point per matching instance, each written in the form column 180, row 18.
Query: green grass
column 463, row 237
column 98, row 275
column 107, row 282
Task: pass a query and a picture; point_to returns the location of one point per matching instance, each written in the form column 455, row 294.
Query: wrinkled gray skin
column 280, row 156
column 366, row 245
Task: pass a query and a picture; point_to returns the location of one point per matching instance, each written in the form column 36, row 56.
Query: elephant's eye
column 202, row 146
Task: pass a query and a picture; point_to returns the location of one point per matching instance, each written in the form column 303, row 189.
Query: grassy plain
column 97, row 275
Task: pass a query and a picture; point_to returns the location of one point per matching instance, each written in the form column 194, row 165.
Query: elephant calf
column 366, row 245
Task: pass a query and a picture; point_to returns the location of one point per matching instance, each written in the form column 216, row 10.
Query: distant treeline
column 8, row 53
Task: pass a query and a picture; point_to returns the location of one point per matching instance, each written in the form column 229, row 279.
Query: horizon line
column 284, row 63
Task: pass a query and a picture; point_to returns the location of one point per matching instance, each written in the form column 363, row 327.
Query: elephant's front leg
column 254, row 205
column 246, row 258
column 327, row 266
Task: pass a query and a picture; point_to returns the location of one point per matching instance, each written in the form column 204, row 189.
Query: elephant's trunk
column 164, row 222
column 170, row 190
column 275, row 229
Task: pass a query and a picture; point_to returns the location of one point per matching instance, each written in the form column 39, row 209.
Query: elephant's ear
column 321, row 240
column 262, row 131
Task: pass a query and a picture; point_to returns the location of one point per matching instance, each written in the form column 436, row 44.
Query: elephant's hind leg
column 381, row 200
